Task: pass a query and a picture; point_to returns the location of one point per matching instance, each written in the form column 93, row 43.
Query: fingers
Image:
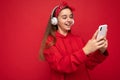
column 106, row 33
column 106, row 44
column 101, row 38
column 95, row 35
column 102, row 44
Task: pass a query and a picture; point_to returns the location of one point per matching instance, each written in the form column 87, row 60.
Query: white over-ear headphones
column 73, row 22
column 54, row 20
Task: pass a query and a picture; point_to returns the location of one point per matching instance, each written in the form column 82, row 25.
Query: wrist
column 102, row 50
column 86, row 51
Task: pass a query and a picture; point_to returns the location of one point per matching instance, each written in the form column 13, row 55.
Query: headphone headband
column 57, row 10
column 52, row 13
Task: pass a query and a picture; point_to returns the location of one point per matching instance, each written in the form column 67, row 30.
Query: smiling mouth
column 68, row 24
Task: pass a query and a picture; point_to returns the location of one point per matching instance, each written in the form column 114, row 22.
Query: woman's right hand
column 94, row 44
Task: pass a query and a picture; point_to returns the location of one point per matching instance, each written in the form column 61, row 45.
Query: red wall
column 23, row 22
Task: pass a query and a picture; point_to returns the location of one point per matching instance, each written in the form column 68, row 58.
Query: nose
column 69, row 20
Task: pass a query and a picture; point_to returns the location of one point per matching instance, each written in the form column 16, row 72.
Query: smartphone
column 102, row 31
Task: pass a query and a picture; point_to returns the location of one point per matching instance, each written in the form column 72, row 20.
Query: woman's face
column 65, row 20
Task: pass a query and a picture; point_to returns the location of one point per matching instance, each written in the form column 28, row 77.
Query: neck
column 63, row 32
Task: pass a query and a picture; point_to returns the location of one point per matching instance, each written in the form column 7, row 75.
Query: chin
column 68, row 27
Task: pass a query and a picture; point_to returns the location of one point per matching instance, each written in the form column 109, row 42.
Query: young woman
column 68, row 57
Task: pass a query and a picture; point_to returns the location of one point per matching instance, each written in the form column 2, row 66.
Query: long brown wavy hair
column 50, row 31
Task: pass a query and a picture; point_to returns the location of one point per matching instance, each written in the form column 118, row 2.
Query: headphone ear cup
column 54, row 21
column 73, row 22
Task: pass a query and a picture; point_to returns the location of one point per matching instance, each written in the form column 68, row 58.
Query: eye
column 64, row 17
column 71, row 16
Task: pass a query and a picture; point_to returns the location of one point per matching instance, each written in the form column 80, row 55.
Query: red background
column 23, row 22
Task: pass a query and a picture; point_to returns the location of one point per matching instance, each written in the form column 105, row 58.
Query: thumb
column 95, row 35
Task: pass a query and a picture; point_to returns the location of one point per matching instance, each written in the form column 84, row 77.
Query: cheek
column 61, row 21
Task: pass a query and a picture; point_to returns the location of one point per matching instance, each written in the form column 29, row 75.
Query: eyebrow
column 66, row 15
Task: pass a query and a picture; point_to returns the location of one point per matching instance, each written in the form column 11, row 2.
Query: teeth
column 67, row 24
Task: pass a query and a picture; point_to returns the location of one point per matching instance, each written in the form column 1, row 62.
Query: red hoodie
column 68, row 61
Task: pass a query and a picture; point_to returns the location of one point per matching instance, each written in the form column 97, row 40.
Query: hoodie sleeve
column 66, row 64
column 95, row 59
